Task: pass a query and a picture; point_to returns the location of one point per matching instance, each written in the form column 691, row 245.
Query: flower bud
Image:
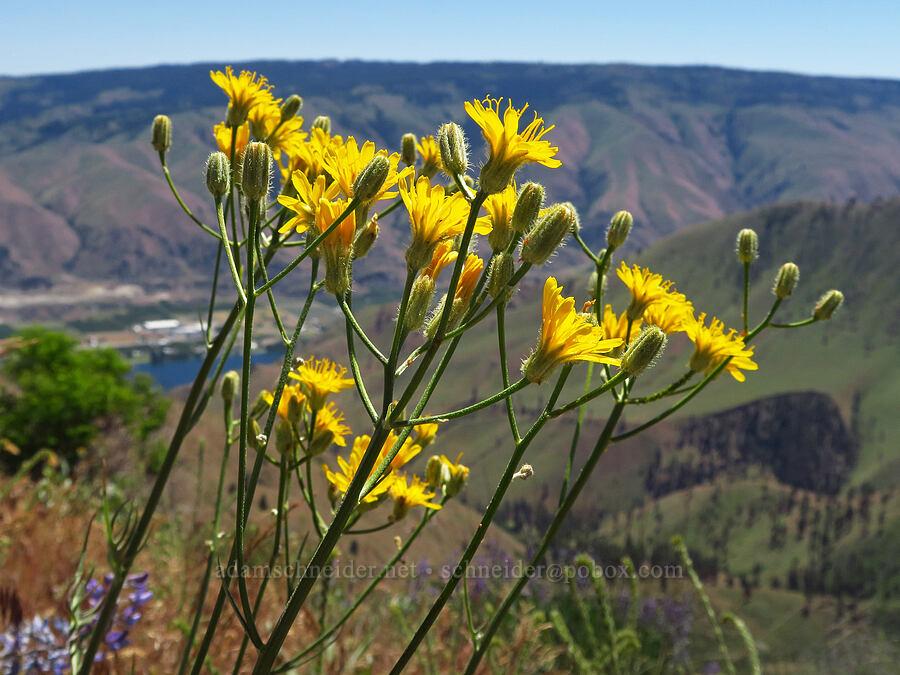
column 747, row 246
column 371, row 178
column 420, row 298
column 827, row 305
column 322, row 122
column 459, row 475
column 408, row 149
column 337, row 274
column 501, row 271
column 294, row 409
column 549, row 233
column 786, row 280
column 218, row 174
column 291, row 107
column 528, row 206
column 644, row 350
column 230, row 383
column 453, row 188
column 321, row 441
column 500, row 236
column 365, row 238
column 284, row 438
column 260, row 405
column 162, row 133
column 257, row 171
column 401, row 508
column 257, row 438
column 618, row 230
column 433, row 472
column 452, row 142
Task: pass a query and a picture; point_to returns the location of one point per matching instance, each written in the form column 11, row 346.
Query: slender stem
column 496, row 302
column 317, row 522
column 584, row 247
column 746, row 294
column 313, row 245
column 357, row 375
column 668, row 391
column 576, row 434
column 504, row 371
column 370, row 530
column 561, row 513
column 591, row 395
column 389, row 209
column 473, row 634
column 184, row 207
column 269, row 293
column 352, row 323
column 602, row 266
column 207, row 334
column 796, row 324
column 486, row 520
column 235, row 275
column 506, row 393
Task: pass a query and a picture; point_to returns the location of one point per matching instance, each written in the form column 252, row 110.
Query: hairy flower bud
column 218, row 174
column 459, row 475
column 408, row 149
column 161, row 138
column 618, row 230
column 231, row 381
column 284, row 438
column 294, row 409
column 786, row 280
column 549, row 233
column 291, row 107
column 827, row 305
column 501, row 271
column 257, row 171
column 365, row 238
column 321, row 441
column 747, row 246
column 528, row 206
column 371, row 178
column 420, row 298
column 434, row 471
column 644, row 350
column 322, row 122
column 452, row 143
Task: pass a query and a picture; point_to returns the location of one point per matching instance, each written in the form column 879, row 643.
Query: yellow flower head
column 306, row 203
column 509, row 148
column 565, row 336
column 344, row 162
column 341, row 481
column 671, row 317
column 468, row 279
column 433, row 217
column 459, row 474
column 222, row 133
column 500, row 208
column 443, row 255
column 319, row 378
column 712, row 345
column 330, row 428
column 338, row 245
column 244, row 91
column 431, row 156
column 617, row 326
column 308, row 156
column 425, row 434
column 264, row 116
column 407, row 495
column 646, row 289
column 289, row 392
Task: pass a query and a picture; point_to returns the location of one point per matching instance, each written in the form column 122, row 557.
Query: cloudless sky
column 819, row 37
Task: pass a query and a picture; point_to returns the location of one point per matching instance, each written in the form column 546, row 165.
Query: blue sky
column 825, row 37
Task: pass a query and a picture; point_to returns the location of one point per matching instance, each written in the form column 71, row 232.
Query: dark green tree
column 57, row 396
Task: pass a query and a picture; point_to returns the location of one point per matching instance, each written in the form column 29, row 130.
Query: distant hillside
column 81, row 196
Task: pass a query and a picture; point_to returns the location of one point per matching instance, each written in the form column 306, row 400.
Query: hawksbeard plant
column 333, row 193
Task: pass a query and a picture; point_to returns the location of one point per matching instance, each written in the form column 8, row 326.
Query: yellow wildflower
column 244, row 91
column 459, row 474
column 344, row 163
column 425, row 434
column 500, row 207
column 330, row 428
column 290, row 391
column 617, row 326
column 406, row 495
column 431, row 156
column 306, row 203
column 309, row 156
column 443, row 255
column 565, row 336
column 712, row 345
column 509, row 148
column 433, row 217
column 468, row 278
column 341, row 481
column 671, row 317
column 646, row 289
column 319, row 378
column 222, row 134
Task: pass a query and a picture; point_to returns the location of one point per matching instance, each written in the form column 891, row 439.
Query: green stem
column 357, row 374
column 559, row 517
column 235, row 275
column 575, row 436
column 352, row 323
column 484, row 524
column 207, row 334
column 591, row 395
column 584, row 247
column 506, row 393
column 796, row 324
column 602, row 266
column 504, row 370
column 313, row 245
column 746, row 294
column 668, row 391
column 184, row 207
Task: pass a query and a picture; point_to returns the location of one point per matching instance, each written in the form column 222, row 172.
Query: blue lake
column 175, row 373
